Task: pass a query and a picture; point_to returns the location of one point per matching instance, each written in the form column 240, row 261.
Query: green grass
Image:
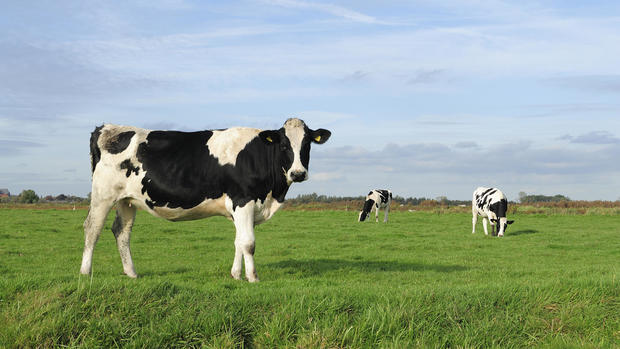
column 422, row 280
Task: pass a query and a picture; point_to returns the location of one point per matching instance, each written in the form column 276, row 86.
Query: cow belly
column 208, row 208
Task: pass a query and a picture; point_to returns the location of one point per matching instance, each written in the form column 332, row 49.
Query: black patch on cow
column 499, row 208
column 368, row 204
column 384, row 194
column 119, row 142
column 95, row 152
column 486, row 191
column 126, row 164
column 181, row 172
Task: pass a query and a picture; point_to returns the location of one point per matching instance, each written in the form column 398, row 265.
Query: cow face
column 293, row 141
column 368, row 204
column 502, row 225
column 362, row 216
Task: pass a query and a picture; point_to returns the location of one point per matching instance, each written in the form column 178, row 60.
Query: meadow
column 327, row 281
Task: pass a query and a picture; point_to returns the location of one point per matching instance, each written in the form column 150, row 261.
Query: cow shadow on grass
column 315, row 267
column 522, row 232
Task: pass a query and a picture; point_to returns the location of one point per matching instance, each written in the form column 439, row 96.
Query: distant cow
column 376, row 198
column 240, row 173
column 492, row 205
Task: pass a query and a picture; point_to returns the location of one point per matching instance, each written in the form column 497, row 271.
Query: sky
column 426, row 98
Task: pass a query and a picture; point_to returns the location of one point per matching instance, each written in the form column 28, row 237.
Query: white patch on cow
column 295, row 131
column 264, row 210
column 226, row 144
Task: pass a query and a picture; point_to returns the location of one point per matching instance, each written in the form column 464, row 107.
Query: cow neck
column 279, row 183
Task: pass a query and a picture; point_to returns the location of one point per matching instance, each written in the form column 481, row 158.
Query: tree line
column 29, row 196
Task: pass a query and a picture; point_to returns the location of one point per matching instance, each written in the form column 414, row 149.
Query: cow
column 491, row 204
column 240, row 173
column 376, row 198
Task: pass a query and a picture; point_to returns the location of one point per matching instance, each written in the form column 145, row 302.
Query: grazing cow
column 376, row 198
column 240, row 173
column 491, row 204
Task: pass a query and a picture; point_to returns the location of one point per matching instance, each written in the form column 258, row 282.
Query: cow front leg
column 125, row 216
column 97, row 214
column 244, row 243
column 484, row 225
column 377, row 214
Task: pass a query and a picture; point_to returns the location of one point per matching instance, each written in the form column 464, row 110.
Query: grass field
column 422, row 280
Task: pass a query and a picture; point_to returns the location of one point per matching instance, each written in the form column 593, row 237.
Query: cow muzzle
column 298, row 176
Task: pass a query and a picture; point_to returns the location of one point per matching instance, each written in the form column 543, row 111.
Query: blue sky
column 426, row 98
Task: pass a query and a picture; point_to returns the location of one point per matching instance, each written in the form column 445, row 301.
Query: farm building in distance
column 4, row 193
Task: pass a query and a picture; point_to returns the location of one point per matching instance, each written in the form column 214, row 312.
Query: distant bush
column 28, row 196
column 528, row 199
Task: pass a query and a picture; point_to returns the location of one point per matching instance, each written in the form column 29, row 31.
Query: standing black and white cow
column 492, row 205
column 376, row 198
column 239, row 173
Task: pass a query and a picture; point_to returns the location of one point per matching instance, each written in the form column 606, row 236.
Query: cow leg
column 244, row 242
column 93, row 224
column 474, row 220
column 125, row 216
column 377, row 214
column 387, row 210
column 484, row 225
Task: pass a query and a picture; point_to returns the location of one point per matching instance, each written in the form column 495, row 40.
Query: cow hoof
column 132, row 275
column 252, row 280
column 237, row 277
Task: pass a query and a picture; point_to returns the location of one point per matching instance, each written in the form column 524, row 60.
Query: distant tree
column 442, row 199
column 61, row 197
column 28, row 196
column 527, row 199
column 522, row 196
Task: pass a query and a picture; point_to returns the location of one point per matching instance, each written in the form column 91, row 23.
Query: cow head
column 365, row 210
column 502, row 225
column 293, row 141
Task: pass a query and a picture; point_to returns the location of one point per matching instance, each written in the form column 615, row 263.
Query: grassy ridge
column 423, row 280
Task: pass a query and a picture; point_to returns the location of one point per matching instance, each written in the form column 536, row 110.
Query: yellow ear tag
column 317, row 138
column 269, row 139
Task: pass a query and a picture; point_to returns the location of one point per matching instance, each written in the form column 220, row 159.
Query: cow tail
column 95, row 152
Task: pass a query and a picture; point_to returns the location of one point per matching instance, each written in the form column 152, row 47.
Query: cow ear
column 510, row 222
column 269, row 137
column 320, row 136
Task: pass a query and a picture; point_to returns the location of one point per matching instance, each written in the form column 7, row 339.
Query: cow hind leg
column 125, row 216
column 474, row 220
column 386, row 212
column 244, row 243
column 93, row 224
